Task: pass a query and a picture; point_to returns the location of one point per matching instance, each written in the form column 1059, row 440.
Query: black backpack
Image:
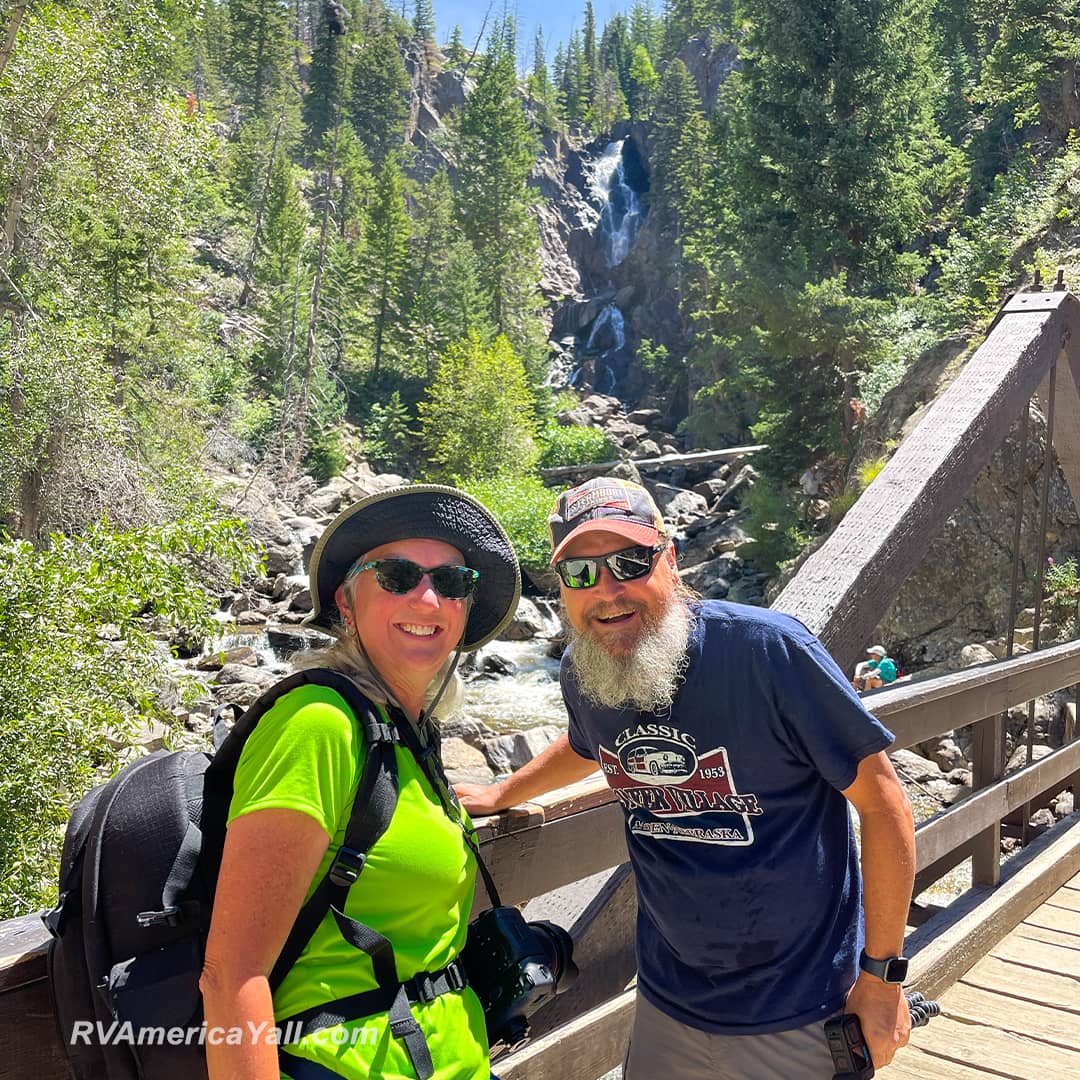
column 137, row 876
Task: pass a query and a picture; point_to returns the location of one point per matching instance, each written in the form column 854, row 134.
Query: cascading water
column 621, row 209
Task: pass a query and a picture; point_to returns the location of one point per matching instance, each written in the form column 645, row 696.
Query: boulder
column 526, row 623
column 970, row 655
column 508, row 752
column 241, row 673
column 464, row 763
column 1018, row 758
column 474, row 732
column 947, row 755
column 215, row 661
column 911, row 766
column 677, row 504
column 242, row 694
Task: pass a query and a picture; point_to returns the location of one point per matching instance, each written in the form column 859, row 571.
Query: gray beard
column 646, row 679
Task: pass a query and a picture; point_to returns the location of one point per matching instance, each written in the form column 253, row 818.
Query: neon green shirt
column 416, row 889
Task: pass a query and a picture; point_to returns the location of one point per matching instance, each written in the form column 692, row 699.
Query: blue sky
column 557, row 17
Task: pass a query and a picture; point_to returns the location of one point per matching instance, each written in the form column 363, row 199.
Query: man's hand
column 482, row 799
column 884, row 1015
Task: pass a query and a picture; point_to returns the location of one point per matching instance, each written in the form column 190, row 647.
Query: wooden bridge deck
column 1016, row 1013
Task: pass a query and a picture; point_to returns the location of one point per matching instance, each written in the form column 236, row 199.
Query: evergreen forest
column 231, row 232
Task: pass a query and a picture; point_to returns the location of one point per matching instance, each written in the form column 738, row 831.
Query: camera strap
column 422, row 741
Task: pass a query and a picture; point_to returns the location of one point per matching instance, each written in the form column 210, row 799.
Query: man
column 732, row 741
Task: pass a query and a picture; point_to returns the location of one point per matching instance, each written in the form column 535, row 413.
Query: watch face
column 896, row 969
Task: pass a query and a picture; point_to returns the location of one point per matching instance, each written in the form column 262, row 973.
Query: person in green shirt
column 406, row 580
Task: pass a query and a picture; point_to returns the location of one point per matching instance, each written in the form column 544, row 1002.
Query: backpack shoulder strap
column 372, row 811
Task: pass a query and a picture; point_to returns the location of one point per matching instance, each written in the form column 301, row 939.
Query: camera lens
column 559, row 951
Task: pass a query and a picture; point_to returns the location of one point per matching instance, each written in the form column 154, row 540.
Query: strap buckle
column 455, row 975
column 346, row 867
column 169, row 916
column 424, row 987
column 403, row 1026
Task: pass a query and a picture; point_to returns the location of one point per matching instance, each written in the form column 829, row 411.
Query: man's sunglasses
column 403, row 575
column 625, row 565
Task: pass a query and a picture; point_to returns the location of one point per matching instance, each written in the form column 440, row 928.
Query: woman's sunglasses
column 625, row 565
column 403, row 575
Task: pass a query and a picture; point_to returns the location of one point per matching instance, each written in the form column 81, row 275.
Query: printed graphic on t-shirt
column 670, row 791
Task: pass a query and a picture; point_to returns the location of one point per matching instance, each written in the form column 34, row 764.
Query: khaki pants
column 661, row 1047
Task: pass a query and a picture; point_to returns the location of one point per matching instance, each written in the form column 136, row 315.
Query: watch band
column 893, row 969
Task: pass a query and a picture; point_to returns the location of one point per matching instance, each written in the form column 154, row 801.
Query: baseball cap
column 878, row 650
column 605, row 504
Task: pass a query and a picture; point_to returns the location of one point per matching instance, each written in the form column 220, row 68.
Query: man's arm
column 888, row 866
column 555, row 767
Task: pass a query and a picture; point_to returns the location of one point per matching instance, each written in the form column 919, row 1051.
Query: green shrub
column 325, row 455
column 79, row 665
column 774, row 525
column 574, row 446
column 522, row 504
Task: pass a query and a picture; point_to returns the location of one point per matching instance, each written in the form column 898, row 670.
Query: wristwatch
column 893, row 969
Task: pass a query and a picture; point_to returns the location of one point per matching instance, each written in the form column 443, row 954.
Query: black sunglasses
column 625, row 565
column 403, row 575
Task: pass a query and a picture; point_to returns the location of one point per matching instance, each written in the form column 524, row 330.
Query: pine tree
column 645, row 28
column 385, row 259
column 325, row 88
column 377, row 104
column 823, row 148
column 478, row 420
column 424, row 20
column 588, row 55
column 495, row 153
column 609, row 105
column 456, row 55
column 258, row 56
column 679, row 135
column 615, row 51
column 643, row 83
column 278, row 266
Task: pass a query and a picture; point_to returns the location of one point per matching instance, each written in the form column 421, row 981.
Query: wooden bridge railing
column 535, row 849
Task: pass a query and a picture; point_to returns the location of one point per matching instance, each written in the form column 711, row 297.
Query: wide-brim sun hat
column 421, row 512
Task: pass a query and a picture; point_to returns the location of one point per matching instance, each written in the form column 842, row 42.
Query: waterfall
column 621, row 209
column 607, row 337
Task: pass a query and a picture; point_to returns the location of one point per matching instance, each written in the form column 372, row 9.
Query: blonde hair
column 344, row 655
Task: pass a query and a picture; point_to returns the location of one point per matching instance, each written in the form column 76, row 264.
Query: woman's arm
column 270, row 859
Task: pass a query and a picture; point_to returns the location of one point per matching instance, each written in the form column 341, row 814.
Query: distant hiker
column 810, row 483
column 406, row 579
column 877, row 670
column 735, row 745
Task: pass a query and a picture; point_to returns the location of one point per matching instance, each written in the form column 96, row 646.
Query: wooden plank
column 973, row 1005
column 1041, row 987
column 1068, row 898
column 1002, row 1053
column 918, row 710
column 535, row 861
column 1053, row 917
column 913, row 1063
column 583, row 1049
column 31, row 1041
column 1042, row 933
column 950, row 943
column 23, row 942
column 947, row 830
column 1066, row 417
column 1040, row 955
column 844, row 588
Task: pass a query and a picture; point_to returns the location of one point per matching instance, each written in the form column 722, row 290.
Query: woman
column 406, row 580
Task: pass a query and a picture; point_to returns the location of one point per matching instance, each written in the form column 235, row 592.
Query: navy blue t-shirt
column 749, row 893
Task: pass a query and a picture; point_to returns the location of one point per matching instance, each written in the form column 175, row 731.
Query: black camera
column 514, row 967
